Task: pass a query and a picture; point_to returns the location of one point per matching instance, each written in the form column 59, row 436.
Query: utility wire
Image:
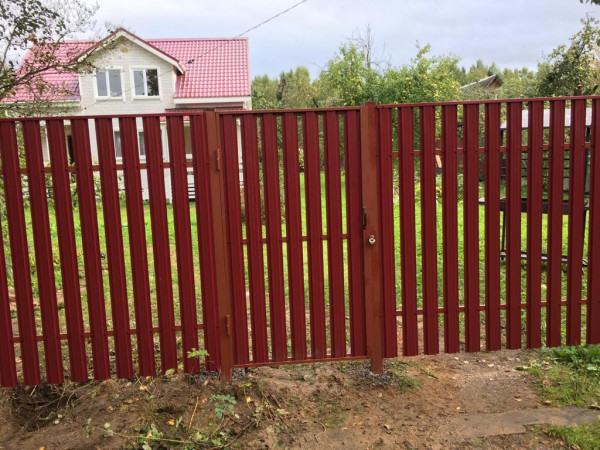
column 194, row 59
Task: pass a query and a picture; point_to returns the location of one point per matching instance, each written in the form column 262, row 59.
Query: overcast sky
column 513, row 33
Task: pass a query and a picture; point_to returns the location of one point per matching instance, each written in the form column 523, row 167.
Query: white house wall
column 126, row 55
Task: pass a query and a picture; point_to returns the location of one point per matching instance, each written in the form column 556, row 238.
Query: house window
column 108, row 83
column 146, row 82
column 141, row 148
column 118, row 152
column 141, row 144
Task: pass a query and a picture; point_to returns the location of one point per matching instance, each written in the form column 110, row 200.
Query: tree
column 293, row 89
column 42, row 27
column 425, row 79
column 575, row 68
column 264, row 92
column 348, row 78
column 296, row 89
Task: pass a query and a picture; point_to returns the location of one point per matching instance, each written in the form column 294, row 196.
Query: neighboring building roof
column 209, row 67
column 525, row 118
column 493, row 81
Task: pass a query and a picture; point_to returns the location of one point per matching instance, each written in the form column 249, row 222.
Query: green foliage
column 193, row 353
column 349, row 78
column 573, row 65
column 568, row 376
column 42, row 26
column 582, row 437
column 264, row 92
column 584, row 358
column 425, row 79
column 223, row 405
column 293, row 89
column 149, row 437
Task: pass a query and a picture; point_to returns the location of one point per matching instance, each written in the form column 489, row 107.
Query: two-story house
column 130, row 75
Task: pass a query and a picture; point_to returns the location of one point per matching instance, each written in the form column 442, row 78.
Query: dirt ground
column 422, row 402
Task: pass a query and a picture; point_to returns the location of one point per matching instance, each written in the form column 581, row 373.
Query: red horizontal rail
column 490, row 101
column 304, row 361
column 88, row 335
column 503, row 307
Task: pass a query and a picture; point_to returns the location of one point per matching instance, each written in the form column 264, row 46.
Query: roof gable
column 210, row 67
column 146, row 45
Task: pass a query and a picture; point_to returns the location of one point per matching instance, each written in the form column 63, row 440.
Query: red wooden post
column 137, row 246
column 114, row 247
column 513, row 225
column 355, row 242
column 236, row 251
column 13, row 195
column 274, row 249
column 204, row 165
column 493, row 330
column 160, row 242
column 293, row 218
column 428, row 229
column 408, row 251
column 312, row 172
column 36, row 180
column 222, row 262
column 335, row 253
column 183, row 242
column 471, row 226
column 534, row 224
column 8, row 369
column 253, row 216
column 91, row 247
column 555, row 223
column 386, row 204
column 593, row 306
column 450, row 228
column 576, row 223
column 372, row 235
column 63, row 206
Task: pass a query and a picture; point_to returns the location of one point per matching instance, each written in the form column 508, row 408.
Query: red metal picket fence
column 311, row 235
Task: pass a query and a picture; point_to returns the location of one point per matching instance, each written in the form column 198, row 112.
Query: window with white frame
column 108, row 83
column 141, row 147
column 145, row 82
column 118, row 152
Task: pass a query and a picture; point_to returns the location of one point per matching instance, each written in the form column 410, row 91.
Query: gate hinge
column 219, row 159
column 228, row 325
column 364, row 218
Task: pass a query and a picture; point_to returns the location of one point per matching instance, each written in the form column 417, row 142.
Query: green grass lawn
column 569, row 377
column 129, row 259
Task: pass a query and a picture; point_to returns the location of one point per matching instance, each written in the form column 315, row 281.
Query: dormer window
column 145, row 82
column 108, row 84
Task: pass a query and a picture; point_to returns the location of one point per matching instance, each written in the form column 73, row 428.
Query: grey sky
column 513, row 33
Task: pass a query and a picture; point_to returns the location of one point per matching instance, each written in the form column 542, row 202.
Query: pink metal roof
column 213, row 67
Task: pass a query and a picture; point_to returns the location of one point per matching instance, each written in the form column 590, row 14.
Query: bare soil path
column 445, row 401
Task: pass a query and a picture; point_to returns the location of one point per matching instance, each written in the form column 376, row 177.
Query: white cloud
column 512, row 33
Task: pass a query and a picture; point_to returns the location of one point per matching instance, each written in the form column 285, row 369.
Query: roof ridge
column 198, row 39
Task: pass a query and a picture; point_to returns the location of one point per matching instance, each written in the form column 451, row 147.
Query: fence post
column 222, row 265
column 370, row 155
